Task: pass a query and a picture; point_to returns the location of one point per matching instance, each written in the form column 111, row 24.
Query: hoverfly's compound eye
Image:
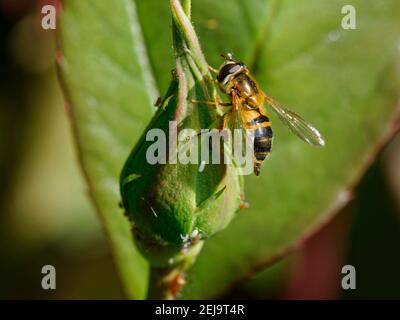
column 228, row 71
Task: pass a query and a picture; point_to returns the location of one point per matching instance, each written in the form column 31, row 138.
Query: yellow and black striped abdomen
column 261, row 126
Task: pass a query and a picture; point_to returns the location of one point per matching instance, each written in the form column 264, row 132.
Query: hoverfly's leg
column 225, row 122
column 211, row 79
column 213, row 70
column 212, row 103
column 209, row 103
column 225, row 104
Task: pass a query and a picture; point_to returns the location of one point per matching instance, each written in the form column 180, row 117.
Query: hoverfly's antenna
column 228, row 56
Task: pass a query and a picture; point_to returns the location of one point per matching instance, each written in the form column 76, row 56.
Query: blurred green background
column 47, row 218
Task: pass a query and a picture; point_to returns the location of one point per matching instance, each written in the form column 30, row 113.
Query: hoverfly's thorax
column 248, row 90
column 245, row 86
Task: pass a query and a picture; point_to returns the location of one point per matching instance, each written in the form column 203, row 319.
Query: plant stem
column 166, row 283
column 186, row 31
column 187, row 8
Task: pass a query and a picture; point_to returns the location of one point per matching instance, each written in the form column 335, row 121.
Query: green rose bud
column 173, row 204
column 174, row 195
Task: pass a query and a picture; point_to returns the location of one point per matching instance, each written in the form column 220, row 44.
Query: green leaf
column 108, row 82
column 346, row 82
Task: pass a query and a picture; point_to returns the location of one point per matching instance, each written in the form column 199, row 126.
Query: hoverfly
column 248, row 100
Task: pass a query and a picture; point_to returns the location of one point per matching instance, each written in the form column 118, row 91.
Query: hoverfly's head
column 229, row 69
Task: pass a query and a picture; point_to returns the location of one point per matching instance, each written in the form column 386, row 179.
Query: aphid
column 248, row 100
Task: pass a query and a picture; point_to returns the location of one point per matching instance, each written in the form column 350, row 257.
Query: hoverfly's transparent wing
column 296, row 124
